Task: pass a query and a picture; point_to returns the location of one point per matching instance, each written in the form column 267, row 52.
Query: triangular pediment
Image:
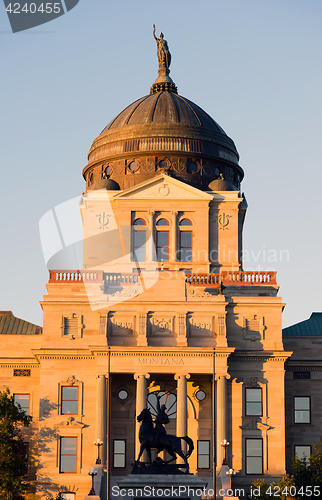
column 163, row 187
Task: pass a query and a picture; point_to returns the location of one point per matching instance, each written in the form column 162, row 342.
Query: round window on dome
column 123, row 394
column 201, row 395
column 108, row 171
column 134, row 166
column 192, row 167
column 163, row 164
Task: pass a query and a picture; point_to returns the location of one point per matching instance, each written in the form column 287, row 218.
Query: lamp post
column 225, row 444
column 230, row 473
column 98, row 443
column 92, row 473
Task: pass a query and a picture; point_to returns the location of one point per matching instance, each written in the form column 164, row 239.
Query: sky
column 253, row 65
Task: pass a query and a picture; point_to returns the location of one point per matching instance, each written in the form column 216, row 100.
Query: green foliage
column 12, row 459
column 306, row 481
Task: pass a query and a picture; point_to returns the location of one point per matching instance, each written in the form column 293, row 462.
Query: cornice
column 261, row 356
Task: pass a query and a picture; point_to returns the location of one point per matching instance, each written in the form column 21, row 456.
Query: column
column 141, row 394
column 150, row 248
column 221, row 414
column 182, row 424
column 173, row 242
column 101, row 403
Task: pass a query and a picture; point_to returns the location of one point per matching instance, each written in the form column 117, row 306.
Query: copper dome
column 163, row 130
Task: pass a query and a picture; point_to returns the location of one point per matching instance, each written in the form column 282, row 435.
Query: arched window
column 185, row 241
column 139, row 240
column 166, row 398
column 162, row 240
column 162, row 222
column 139, row 222
column 185, row 222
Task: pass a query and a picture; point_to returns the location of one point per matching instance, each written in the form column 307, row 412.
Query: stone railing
column 128, row 279
column 232, row 278
column 87, row 276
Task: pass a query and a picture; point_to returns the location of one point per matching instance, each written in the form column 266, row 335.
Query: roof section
column 164, row 107
column 311, row 327
column 10, row 325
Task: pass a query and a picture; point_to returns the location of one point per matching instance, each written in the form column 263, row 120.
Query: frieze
column 150, row 360
column 125, row 293
column 197, row 294
column 120, row 326
column 160, row 325
column 200, row 326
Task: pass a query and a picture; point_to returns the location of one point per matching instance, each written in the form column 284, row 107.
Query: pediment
column 163, row 187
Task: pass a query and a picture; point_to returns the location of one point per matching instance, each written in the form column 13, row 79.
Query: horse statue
column 155, row 437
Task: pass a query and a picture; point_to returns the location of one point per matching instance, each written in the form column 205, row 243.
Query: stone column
column 149, row 248
column 221, row 416
column 101, row 404
column 182, row 424
column 141, row 403
column 173, row 242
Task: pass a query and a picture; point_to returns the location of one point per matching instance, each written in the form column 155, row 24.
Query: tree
column 13, row 465
column 305, row 482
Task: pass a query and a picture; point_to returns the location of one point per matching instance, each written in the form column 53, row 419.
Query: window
column 185, row 241
column 203, row 448
column 302, row 452
column 254, row 456
column 119, row 458
column 139, row 246
column 185, row 246
column 71, row 325
column 69, row 400
column 185, row 222
column 201, row 395
column 167, row 398
column 68, row 454
column 22, row 400
column 139, row 222
column 302, row 410
column 139, row 239
column 162, row 241
column 162, row 222
column 254, row 402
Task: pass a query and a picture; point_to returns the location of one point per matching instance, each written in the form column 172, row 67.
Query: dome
column 107, row 184
column 163, row 130
column 221, row 185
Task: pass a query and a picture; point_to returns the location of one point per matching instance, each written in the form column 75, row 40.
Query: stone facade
column 162, row 306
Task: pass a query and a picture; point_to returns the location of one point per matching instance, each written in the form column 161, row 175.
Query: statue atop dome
column 163, row 52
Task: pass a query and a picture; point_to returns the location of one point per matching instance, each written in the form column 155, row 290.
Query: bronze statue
column 164, row 56
column 157, row 437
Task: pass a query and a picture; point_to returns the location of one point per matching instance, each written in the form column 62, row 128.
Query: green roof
column 10, row 325
column 311, row 327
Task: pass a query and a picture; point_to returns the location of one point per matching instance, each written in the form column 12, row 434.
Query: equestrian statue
column 153, row 435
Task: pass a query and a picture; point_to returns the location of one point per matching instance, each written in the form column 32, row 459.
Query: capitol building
column 160, row 307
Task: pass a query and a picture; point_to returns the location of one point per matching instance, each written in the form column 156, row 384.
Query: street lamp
column 224, row 444
column 92, row 473
column 231, row 473
column 98, row 443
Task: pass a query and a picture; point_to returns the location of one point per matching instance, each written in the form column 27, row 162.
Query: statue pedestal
column 170, row 487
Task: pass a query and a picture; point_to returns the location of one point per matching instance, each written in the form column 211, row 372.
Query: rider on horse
column 161, row 438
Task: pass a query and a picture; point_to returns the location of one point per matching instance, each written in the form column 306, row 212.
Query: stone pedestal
column 140, row 486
